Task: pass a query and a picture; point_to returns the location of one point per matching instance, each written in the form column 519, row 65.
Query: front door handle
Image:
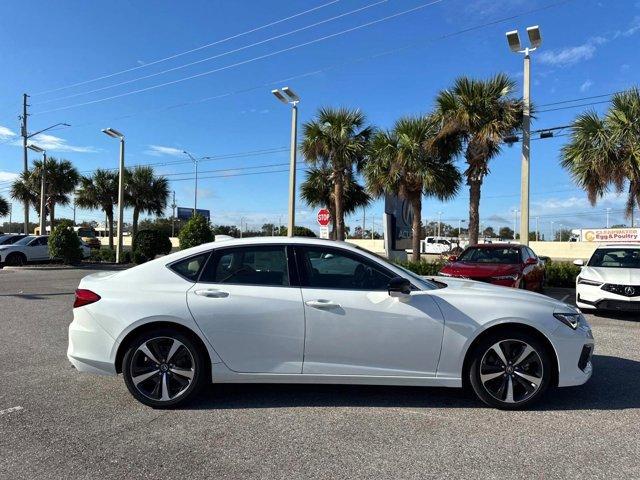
column 212, row 293
column 321, row 303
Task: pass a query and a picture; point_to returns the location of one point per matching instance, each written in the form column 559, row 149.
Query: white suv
column 610, row 280
column 33, row 248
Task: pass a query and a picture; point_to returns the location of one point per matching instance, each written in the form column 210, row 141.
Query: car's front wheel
column 510, row 371
column 164, row 368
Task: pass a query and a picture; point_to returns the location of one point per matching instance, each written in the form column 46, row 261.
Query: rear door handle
column 321, row 303
column 212, row 293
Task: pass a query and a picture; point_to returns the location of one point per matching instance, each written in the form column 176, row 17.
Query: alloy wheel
column 162, row 369
column 511, row 371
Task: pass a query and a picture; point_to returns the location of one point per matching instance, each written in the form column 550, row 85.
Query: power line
column 201, row 47
column 219, row 55
column 243, row 62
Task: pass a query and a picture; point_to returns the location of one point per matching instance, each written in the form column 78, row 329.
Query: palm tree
column 145, row 193
column 337, row 139
column 604, row 152
column 4, row 208
column 99, row 191
column 407, row 162
column 61, row 180
column 479, row 113
column 318, row 190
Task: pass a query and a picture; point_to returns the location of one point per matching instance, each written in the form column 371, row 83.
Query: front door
column 245, row 305
column 38, row 249
column 353, row 326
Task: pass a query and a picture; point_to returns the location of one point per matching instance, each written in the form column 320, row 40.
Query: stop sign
column 323, row 217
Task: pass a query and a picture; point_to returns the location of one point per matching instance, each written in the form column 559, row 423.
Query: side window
column 38, row 242
column 525, row 254
column 190, row 268
column 261, row 265
column 332, row 268
column 531, row 253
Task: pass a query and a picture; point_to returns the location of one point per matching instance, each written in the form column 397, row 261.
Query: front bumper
column 90, row 347
column 590, row 297
column 574, row 349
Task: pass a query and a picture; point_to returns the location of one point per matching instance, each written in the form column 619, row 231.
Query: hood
column 498, row 294
column 621, row 276
column 463, row 269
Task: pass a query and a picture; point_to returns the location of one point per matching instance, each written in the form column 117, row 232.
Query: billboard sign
column 610, row 234
column 185, row 213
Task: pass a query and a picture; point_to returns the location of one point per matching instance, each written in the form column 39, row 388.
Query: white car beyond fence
column 32, row 248
column 299, row 310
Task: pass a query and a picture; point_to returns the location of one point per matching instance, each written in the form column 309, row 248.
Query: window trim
column 345, row 252
column 171, row 264
column 220, row 251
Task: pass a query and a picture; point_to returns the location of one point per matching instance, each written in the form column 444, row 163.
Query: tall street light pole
column 113, row 133
column 287, row 96
column 42, row 186
column 513, row 38
column 195, row 191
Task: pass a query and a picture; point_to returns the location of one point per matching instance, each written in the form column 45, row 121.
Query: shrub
column 422, row 267
column 150, row 243
column 195, row 232
column 64, row 244
column 139, row 257
column 561, row 274
column 107, row 255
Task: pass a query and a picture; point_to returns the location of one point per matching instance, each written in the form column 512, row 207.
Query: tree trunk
column 110, row 220
column 416, row 206
column 338, row 195
column 52, row 217
column 474, row 210
column 332, row 214
column 134, row 225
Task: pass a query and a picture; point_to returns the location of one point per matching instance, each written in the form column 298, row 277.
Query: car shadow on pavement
column 606, row 390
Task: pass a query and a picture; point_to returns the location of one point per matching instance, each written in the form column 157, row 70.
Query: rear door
column 353, row 326
column 38, row 249
column 248, row 303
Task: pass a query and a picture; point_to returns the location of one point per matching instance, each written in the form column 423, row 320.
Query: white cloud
column 586, row 85
column 568, row 55
column 8, row 176
column 159, row 151
column 51, row 143
column 6, row 133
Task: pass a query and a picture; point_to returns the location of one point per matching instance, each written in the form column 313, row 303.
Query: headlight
column 569, row 319
column 513, row 276
column 585, row 281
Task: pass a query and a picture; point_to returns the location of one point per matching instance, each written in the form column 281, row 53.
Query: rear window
column 190, row 268
column 506, row 255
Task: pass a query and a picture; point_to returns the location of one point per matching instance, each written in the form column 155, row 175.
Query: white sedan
column 610, row 280
column 300, row 310
column 32, row 248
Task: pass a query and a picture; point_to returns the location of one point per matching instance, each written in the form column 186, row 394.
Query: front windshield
column 506, row 255
column 616, row 258
column 24, row 241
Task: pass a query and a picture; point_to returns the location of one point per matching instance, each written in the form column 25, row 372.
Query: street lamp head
column 534, row 36
column 278, row 94
column 514, row 41
column 112, row 132
column 35, row 148
column 291, row 94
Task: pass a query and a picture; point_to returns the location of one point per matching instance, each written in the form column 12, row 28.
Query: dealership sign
column 185, row 213
column 611, row 235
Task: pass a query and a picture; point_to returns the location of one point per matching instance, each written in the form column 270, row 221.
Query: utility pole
column 25, row 166
column 553, row 235
column 439, row 223
column 608, row 210
column 373, row 226
column 515, row 224
column 10, row 212
column 363, row 221
column 537, row 230
column 173, row 215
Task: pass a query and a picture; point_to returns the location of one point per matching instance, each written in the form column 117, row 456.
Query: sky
column 197, row 75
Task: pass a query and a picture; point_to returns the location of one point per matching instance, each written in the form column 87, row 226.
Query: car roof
column 495, row 245
column 619, row 245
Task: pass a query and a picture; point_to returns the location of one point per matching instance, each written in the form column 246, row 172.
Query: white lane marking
column 11, row 410
column 564, row 298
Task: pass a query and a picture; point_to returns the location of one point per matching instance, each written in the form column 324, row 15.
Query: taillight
column 85, row 297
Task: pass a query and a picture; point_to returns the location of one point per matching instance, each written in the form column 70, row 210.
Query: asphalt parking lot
column 58, row 423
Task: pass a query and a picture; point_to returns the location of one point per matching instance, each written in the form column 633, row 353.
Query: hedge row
column 559, row 274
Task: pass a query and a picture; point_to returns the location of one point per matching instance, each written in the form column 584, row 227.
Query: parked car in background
column 610, row 280
column 509, row 265
column 31, row 248
column 303, row 310
column 87, row 234
column 10, row 238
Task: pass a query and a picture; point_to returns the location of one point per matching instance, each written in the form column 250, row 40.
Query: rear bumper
column 90, row 346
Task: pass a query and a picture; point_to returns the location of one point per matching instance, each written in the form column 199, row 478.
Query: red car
column 500, row 264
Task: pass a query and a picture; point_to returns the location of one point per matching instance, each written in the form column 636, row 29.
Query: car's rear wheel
column 510, row 371
column 164, row 368
column 16, row 259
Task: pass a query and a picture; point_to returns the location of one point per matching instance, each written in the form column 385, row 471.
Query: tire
column 16, row 260
column 491, row 378
column 158, row 381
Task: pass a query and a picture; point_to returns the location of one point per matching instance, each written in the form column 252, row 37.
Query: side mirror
column 399, row 287
column 531, row 261
column 579, row 262
column 453, row 258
